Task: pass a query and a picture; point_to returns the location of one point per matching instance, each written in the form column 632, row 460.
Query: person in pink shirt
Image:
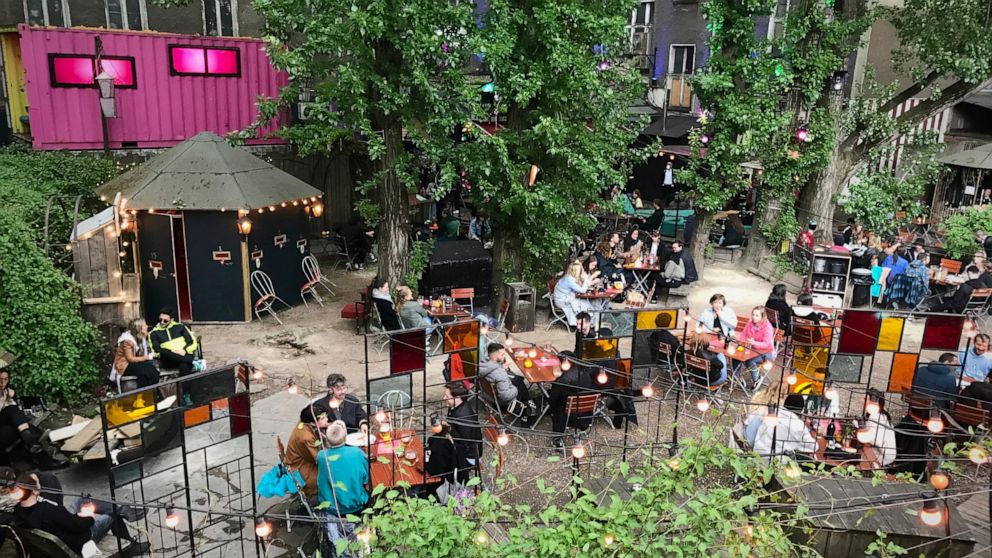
column 759, row 335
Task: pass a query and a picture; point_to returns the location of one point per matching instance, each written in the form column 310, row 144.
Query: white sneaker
column 199, row 365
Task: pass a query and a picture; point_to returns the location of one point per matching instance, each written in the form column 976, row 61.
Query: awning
column 977, row 158
column 671, row 126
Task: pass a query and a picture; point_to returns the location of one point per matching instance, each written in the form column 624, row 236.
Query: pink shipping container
column 169, row 87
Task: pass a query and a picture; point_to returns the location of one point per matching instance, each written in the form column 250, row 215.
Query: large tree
column 380, row 72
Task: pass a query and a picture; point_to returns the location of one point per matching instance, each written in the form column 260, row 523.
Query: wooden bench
column 728, row 255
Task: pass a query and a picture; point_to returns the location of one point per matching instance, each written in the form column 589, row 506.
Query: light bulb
column 532, row 353
column 700, row 327
column 792, row 471
column 935, row 425
column 502, row 439
column 293, row 388
column 364, row 535
column 940, row 480
column 703, row 405
column 334, row 403
column 579, row 451
column 380, row 416
column 257, row 374
column 767, row 365
column 272, row 208
column 978, row 455
column 481, row 537
column 608, row 539
column 262, row 528
column 831, row 394
column 647, row 391
column 674, row 463
column 872, row 407
column 930, row 514
column 88, row 509
column 791, row 379
column 171, row 518
column 565, row 364
column 508, row 342
column 602, row 378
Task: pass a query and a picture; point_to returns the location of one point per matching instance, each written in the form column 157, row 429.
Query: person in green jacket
column 175, row 344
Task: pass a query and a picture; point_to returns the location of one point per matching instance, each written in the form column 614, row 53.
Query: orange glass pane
column 461, row 336
column 903, row 372
column 218, row 405
column 197, row 415
column 130, row 408
column 810, row 361
column 890, row 333
column 806, row 334
column 623, row 373
column 657, row 319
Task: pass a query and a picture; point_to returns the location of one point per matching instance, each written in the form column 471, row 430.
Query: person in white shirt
column 876, row 430
column 669, row 175
column 788, row 433
column 718, row 310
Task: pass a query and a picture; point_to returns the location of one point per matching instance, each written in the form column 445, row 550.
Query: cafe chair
column 339, row 251
column 669, row 369
column 313, row 274
column 698, row 367
column 504, row 309
column 510, row 413
column 918, row 406
column 380, row 336
column 580, row 412
column 978, row 305
column 556, row 313
column 963, row 416
column 462, row 295
column 261, row 283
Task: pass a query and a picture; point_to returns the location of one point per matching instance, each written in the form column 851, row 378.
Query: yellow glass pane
column 903, row 372
column 596, row 349
column 130, row 408
column 657, row 319
column 890, row 333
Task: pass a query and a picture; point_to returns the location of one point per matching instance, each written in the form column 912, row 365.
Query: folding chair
column 504, row 309
column 309, row 286
column 587, row 406
column 556, row 314
column 262, row 284
column 313, row 274
column 964, row 415
column 340, row 251
column 953, row 267
column 459, row 295
column 378, row 330
column 978, row 305
column 514, row 408
column 666, row 364
column 698, row 367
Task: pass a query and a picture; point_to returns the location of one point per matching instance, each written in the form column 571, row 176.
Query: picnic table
column 388, row 469
column 449, row 310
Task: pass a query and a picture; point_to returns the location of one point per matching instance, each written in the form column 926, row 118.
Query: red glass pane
column 406, row 351
column 238, row 406
column 189, row 60
column 122, row 70
column 222, row 62
column 859, row 332
column 942, row 333
column 72, row 70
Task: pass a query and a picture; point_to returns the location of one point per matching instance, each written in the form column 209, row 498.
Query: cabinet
column 830, row 274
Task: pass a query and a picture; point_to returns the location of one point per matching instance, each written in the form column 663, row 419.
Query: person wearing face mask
column 175, row 344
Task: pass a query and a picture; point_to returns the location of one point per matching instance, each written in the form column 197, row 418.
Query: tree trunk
column 393, row 231
column 507, row 259
column 818, row 199
column 758, row 247
column 700, row 239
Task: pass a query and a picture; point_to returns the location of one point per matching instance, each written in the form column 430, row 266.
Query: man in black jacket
column 691, row 275
column 575, row 381
column 957, row 303
column 466, row 432
column 654, row 222
column 342, row 405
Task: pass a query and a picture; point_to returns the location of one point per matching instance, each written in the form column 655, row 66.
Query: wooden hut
column 200, row 218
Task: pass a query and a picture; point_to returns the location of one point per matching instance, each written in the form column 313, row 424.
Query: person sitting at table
column 412, row 313
column 635, row 199
column 591, row 276
column 977, row 360
column 632, row 244
column 788, row 432
column 569, row 285
column 450, row 226
column 937, row 380
column 957, row 303
column 716, row 374
column 895, row 261
column 479, row 228
column 776, row 301
column 574, row 381
column 465, row 429
column 759, row 335
column 878, row 432
column 508, row 386
column 978, row 260
column 986, row 275
column 654, row 222
column 977, row 394
column 607, row 256
column 909, row 288
column 986, row 242
column 673, row 274
column 919, row 252
column 343, row 406
column 804, row 309
column 583, row 329
column 304, row 443
column 656, row 247
column 733, row 232
column 757, row 410
column 691, row 276
column 439, row 452
column 718, row 318
column 389, row 319
column 342, row 483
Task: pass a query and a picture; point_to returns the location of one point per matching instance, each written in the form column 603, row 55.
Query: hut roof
column 977, row 158
column 206, row 173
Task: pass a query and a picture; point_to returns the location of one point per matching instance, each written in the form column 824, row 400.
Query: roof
column 101, row 219
column 206, row 173
column 673, row 126
column 977, row 158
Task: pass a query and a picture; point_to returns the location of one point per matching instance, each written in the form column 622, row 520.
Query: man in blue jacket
column 938, row 380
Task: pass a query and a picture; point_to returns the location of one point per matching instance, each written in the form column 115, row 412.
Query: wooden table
column 642, row 271
column 864, row 458
column 603, row 297
column 542, row 366
column 452, row 310
column 742, row 354
column 389, row 470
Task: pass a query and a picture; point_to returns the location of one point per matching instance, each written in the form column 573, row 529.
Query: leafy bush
column 959, row 231
column 416, row 264
column 56, row 349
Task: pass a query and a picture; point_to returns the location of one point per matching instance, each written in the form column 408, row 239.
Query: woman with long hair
column 776, row 301
column 607, row 254
column 759, row 335
column 590, row 274
column 877, row 430
column 569, row 285
column 133, row 356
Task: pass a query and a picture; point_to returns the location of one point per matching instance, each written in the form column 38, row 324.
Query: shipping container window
column 47, row 12
column 200, row 61
column 126, row 14
column 77, row 70
column 220, row 18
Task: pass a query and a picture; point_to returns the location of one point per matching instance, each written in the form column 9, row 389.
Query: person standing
column 175, row 344
column 343, row 484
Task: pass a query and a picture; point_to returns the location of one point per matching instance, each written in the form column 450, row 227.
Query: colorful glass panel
column 890, row 334
column 657, row 319
column 461, row 336
column 902, row 373
column 859, row 332
column 240, row 414
column 130, row 408
column 942, row 333
column 407, row 351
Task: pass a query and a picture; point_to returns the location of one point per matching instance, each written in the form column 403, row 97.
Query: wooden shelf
column 826, row 273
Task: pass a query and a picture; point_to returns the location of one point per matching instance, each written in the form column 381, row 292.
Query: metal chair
column 468, row 294
column 340, row 251
column 587, row 406
column 309, row 287
column 699, row 367
column 313, row 274
column 557, row 314
column 978, row 304
column 514, row 408
column 262, row 284
column 376, row 328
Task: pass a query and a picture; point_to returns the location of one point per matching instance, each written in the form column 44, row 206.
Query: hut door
column 157, row 248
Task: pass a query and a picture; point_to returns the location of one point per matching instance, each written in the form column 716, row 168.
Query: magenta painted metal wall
column 161, row 111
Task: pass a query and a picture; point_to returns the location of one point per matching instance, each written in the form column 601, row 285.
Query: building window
column 640, row 28
column 682, row 59
column 126, row 14
column 78, row 70
column 220, row 18
column 201, row 61
column 47, row 12
column 681, row 64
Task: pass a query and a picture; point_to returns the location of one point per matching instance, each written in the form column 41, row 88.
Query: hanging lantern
column 602, row 378
column 931, row 515
column 171, row 518
column 934, row 423
column 502, row 438
column 940, row 480
column 647, row 391
column 317, row 208
column 262, row 528
column 244, row 226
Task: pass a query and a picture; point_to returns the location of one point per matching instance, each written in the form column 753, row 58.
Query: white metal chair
column 309, row 287
column 557, row 314
column 313, row 274
column 262, row 284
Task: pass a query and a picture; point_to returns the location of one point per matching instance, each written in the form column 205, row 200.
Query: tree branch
column 899, row 98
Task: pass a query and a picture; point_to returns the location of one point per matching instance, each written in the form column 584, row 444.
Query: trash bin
column 523, row 306
column 862, row 281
